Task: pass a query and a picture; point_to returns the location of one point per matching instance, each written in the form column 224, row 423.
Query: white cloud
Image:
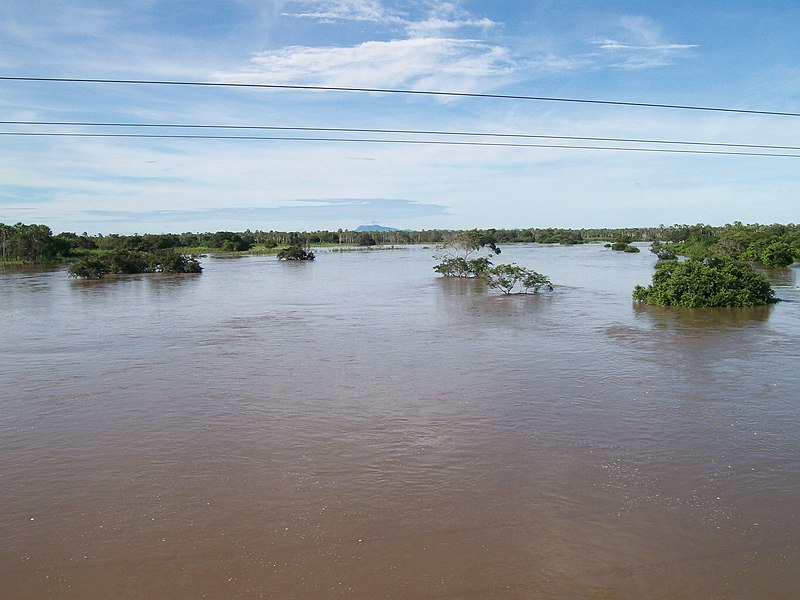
column 439, row 17
column 433, row 25
column 641, row 45
column 419, row 61
column 343, row 10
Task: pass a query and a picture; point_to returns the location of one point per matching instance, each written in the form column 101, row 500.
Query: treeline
column 772, row 245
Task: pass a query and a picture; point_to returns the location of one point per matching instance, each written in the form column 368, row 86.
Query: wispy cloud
column 436, row 62
column 641, row 45
column 343, row 10
column 437, row 17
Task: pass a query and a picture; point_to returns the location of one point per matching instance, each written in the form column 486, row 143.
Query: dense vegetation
column 622, row 243
column 771, row 245
column 719, row 269
column 125, row 262
column 295, row 252
column 706, row 282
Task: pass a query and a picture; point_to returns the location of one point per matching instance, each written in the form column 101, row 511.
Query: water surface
column 359, row 427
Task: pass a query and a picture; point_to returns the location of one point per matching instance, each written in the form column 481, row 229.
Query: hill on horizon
column 375, row 228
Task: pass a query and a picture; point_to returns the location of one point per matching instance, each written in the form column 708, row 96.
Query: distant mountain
column 375, row 228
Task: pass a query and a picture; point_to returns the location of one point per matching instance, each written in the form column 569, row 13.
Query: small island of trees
column 296, row 251
column 507, row 277
column 455, row 261
column 718, row 267
column 128, row 262
column 710, row 282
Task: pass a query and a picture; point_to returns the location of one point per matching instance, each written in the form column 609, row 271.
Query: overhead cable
column 396, row 131
column 389, row 141
column 398, row 91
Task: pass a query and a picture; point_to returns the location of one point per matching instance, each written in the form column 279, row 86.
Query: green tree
column 170, row 261
column 777, row 254
column 706, row 283
column 507, row 277
column 295, row 252
column 662, row 251
column 127, row 262
column 461, row 267
column 457, row 249
column 622, row 243
column 28, row 243
column 6, row 231
column 90, row 267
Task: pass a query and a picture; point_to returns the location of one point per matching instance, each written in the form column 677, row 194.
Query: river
column 358, row 427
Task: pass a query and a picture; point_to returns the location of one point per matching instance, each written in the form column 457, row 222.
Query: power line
column 398, row 131
column 401, row 91
column 390, row 141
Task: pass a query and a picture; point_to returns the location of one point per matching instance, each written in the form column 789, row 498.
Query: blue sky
column 710, row 53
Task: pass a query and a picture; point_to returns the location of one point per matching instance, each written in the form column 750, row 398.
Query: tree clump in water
column 295, row 252
column 128, row 262
column 508, row 277
column 704, row 283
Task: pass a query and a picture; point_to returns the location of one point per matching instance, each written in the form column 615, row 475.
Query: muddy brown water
column 359, row 428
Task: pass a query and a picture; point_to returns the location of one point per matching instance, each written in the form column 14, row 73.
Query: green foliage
column 295, row 252
column 507, row 277
column 169, row 261
column 28, row 243
column 622, row 244
column 461, row 267
column 706, row 283
column 771, row 245
column 91, row 267
column 127, row 262
column 662, row 251
column 777, row 254
column 566, row 237
column 457, row 248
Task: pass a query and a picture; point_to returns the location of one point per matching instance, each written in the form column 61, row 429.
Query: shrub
column 706, row 283
column 295, row 252
column 91, row 267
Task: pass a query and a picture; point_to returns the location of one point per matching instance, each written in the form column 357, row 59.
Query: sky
column 710, row 53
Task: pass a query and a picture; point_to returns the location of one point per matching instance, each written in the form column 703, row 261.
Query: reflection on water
column 786, row 277
column 700, row 319
column 358, row 427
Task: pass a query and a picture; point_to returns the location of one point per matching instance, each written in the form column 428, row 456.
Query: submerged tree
column 508, row 277
column 295, row 252
column 462, row 267
column 91, row 267
column 622, row 243
column 662, row 251
column 169, row 261
column 458, row 248
column 128, row 262
column 706, row 283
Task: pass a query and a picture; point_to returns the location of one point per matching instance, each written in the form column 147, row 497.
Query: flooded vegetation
column 359, row 427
